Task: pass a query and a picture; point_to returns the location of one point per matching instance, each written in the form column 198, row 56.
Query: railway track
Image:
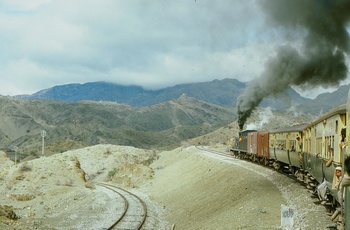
column 215, row 151
column 284, row 173
column 235, row 157
column 134, row 212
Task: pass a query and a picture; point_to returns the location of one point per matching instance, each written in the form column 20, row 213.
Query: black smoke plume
column 319, row 62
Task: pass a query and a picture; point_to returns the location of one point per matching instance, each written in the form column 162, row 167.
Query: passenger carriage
column 286, row 147
column 323, row 142
column 309, row 151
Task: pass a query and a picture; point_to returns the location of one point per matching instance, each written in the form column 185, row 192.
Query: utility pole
column 15, row 148
column 43, row 135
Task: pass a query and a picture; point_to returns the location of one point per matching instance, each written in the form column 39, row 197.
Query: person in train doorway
column 344, row 182
column 341, row 181
column 346, row 179
column 337, row 185
column 327, row 186
column 337, row 178
column 322, row 189
column 343, row 138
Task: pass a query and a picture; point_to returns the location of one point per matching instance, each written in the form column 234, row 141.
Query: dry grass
column 22, row 197
column 90, row 185
column 25, row 168
column 68, row 182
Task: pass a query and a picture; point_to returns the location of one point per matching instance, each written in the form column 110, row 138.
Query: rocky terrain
column 223, row 92
column 164, row 126
column 76, row 125
column 185, row 188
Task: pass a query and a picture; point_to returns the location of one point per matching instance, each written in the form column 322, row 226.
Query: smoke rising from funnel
column 320, row 61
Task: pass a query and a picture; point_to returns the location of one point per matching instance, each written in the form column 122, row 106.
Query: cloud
column 153, row 43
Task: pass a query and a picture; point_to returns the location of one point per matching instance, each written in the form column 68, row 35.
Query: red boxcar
column 258, row 144
column 263, row 145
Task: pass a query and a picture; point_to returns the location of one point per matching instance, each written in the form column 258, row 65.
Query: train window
column 299, row 144
column 273, row 141
column 292, row 145
column 336, row 126
column 329, row 146
column 343, row 135
column 318, row 145
column 281, row 144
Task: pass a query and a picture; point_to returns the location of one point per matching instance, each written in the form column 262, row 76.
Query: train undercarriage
column 298, row 173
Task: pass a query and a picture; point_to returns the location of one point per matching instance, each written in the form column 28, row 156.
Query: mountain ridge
column 84, row 123
column 220, row 92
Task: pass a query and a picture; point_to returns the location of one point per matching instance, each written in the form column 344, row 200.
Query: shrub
column 69, row 182
column 90, row 185
column 108, row 152
column 25, row 168
column 112, row 172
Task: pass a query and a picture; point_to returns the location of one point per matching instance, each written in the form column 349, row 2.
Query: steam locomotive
column 310, row 152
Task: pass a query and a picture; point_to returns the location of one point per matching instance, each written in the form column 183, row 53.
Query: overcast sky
column 153, row 43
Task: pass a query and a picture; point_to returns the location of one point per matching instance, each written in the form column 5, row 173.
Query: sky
column 153, row 44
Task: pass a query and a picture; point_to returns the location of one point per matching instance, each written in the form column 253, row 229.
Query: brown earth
column 185, row 188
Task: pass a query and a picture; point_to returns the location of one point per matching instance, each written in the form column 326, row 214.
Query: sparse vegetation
column 90, row 185
column 67, row 182
column 7, row 211
column 22, row 197
column 20, row 177
column 108, row 152
column 150, row 159
column 112, row 173
column 25, row 167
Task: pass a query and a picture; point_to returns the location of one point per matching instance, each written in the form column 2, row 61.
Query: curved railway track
column 286, row 173
column 134, row 212
column 215, row 151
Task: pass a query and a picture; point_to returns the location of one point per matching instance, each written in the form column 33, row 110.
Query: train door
column 346, row 190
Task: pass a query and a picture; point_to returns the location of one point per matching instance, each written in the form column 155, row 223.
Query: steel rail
column 215, row 151
column 126, row 217
column 126, row 204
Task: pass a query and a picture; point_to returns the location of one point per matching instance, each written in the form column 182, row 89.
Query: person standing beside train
column 326, row 186
column 337, row 185
column 346, row 179
column 343, row 181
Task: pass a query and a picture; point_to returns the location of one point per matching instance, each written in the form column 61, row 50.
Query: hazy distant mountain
column 84, row 123
column 224, row 92
column 220, row 92
column 100, row 119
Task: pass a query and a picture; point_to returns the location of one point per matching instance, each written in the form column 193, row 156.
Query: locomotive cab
column 240, row 148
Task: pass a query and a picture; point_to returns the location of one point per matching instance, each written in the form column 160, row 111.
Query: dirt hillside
column 186, row 188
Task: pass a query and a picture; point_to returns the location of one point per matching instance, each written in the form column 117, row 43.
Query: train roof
column 248, row 131
column 295, row 128
column 338, row 110
column 299, row 128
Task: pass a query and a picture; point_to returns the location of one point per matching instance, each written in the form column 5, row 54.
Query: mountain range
column 217, row 92
column 220, row 92
column 79, row 124
column 79, row 115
